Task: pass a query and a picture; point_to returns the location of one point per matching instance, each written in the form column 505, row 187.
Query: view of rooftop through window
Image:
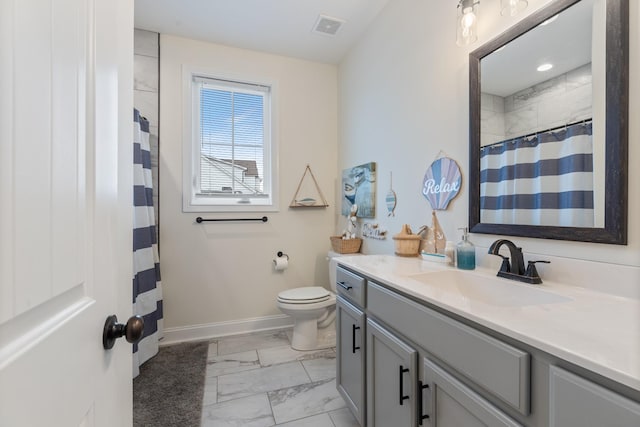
column 232, row 141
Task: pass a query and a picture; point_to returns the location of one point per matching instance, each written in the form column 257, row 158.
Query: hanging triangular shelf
column 308, row 195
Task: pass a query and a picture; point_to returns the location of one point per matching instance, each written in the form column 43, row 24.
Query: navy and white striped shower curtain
column 543, row 180
column 147, row 289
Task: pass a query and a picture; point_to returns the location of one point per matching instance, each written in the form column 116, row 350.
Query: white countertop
column 598, row 331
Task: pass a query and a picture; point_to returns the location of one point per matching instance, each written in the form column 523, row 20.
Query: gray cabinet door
column 391, row 379
column 351, row 357
column 574, row 401
column 446, row 402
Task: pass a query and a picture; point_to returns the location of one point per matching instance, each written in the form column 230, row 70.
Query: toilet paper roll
column 281, row 263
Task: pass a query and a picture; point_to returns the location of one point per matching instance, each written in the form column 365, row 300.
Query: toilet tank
column 333, row 258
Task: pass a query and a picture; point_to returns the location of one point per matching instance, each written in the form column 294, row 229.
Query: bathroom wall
column 555, row 102
column 403, row 100
column 218, row 278
column 146, row 63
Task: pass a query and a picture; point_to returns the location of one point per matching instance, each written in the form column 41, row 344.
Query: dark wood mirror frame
column 616, row 131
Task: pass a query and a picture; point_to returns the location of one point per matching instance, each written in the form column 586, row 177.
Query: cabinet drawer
column 498, row 367
column 350, row 286
column 575, row 401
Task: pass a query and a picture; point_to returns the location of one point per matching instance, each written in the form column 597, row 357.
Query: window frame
column 192, row 199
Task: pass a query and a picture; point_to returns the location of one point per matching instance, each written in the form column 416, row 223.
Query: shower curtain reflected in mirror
column 541, row 179
column 147, row 288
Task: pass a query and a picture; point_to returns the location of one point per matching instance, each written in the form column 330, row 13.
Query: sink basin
column 487, row 290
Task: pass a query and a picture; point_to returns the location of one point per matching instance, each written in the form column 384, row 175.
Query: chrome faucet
column 514, row 269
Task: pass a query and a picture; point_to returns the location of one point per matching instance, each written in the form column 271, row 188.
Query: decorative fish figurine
column 390, row 198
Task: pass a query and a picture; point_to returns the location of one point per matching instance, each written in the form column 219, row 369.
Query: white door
column 65, row 211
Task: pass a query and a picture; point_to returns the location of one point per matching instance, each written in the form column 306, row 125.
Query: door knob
column 113, row 330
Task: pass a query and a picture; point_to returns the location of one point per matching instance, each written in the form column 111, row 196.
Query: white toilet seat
column 305, row 295
column 308, row 309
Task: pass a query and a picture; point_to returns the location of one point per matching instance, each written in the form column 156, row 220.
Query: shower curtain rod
column 200, row 219
column 585, row 121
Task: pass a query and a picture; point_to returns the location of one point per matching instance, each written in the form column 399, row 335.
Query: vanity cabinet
column 577, row 402
column 350, row 366
column 392, row 372
column 422, row 366
column 394, row 391
column 497, row 367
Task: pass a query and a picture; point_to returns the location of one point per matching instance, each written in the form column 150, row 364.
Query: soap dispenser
column 465, row 252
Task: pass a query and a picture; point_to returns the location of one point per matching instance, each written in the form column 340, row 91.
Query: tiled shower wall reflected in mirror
column 146, row 81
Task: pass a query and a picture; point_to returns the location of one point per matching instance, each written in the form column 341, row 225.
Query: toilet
column 313, row 309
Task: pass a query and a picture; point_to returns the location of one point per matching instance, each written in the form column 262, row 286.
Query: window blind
column 231, row 137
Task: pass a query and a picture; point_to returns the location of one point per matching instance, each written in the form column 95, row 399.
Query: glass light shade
column 467, row 22
column 512, row 7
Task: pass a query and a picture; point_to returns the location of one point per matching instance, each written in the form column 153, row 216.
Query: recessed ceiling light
column 549, row 21
column 545, row 67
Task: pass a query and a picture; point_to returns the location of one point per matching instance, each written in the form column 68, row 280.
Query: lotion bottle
column 465, row 252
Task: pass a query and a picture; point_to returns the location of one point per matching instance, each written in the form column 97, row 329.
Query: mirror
column 548, row 147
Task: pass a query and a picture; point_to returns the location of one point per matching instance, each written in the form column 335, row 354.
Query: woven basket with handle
column 345, row 246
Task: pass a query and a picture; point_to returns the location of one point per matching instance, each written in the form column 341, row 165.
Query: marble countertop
column 595, row 330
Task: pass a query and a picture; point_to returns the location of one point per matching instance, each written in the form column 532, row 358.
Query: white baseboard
column 221, row 329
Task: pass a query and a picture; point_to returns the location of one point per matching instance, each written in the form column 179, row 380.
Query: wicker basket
column 407, row 246
column 407, row 243
column 345, row 246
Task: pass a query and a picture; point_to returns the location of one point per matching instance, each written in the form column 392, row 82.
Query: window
column 230, row 149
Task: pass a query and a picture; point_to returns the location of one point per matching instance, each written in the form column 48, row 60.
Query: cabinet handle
column 343, row 286
column 402, row 396
column 421, row 417
column 353, row 338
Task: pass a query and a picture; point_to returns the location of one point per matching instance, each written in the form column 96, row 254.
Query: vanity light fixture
column 545, row 67
column 467, row 22
column 512, row 7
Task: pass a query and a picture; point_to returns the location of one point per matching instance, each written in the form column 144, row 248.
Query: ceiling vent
column 327, row 25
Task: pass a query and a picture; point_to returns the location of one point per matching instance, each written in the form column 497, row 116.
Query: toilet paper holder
column 281, row 262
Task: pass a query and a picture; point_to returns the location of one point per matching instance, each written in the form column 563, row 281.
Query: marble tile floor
column 258, row 380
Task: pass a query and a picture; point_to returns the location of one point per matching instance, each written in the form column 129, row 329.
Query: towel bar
column 200, row 219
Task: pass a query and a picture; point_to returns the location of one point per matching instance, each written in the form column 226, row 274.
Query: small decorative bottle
column 450, row 252
column 465, row 252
